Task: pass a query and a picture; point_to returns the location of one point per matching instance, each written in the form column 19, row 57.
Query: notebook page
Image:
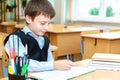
column 61, row 75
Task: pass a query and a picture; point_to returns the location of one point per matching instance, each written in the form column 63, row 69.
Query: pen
column 67, row 56
column 26, row 49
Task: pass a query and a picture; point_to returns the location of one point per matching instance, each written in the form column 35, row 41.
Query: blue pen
column 67, row 56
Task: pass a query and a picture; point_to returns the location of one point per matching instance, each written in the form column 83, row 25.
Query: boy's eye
column 42, row 23
column 49, row 23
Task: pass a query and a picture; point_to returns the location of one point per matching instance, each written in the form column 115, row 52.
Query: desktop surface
column 95, row 75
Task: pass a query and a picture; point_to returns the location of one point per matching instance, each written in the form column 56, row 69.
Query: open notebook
column 61, row 75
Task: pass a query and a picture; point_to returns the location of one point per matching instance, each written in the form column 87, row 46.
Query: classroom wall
column 60, row 11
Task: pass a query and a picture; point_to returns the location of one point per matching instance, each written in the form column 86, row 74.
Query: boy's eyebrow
column 44, row 21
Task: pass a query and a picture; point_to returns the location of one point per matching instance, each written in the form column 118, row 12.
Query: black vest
column 34, row 50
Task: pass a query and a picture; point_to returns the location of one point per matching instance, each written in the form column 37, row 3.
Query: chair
column 54, row 49
column 3, row 55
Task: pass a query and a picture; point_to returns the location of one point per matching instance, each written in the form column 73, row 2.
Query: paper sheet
column 61, row 75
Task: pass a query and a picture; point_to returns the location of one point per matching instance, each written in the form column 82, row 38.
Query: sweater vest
column 34, row 51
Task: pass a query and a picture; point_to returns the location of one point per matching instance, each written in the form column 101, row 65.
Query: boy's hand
column 63, row 64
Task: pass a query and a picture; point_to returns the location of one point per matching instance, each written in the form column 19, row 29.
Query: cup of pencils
column 16, row 77
column 17, row 67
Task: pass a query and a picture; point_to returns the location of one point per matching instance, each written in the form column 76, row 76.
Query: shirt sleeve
column 15, row 43
column 33, row 65
column 42, row 66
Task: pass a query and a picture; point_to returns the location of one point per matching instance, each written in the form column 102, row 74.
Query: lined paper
column 61, row 75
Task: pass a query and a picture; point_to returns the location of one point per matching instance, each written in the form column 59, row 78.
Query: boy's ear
column 28, row 19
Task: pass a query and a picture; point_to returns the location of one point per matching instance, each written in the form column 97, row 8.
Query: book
column 113, row 63
column 106, row 57
column 104, row 67
column 106, row 61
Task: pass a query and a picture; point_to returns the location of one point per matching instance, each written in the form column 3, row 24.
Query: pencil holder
column 16, row 77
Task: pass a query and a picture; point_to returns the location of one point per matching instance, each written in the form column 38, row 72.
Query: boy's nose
column 46, row 27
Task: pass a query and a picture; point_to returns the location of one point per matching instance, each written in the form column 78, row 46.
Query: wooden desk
column 19, row 26
column 67, row 39
column 4, row 78
column 101, row 43
column 100, row 75
column 96, row 75
column 7, row 26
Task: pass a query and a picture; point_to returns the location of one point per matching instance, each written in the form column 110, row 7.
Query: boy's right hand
column 63, row 64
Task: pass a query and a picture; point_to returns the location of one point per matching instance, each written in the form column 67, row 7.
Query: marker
column 24, row 69
column 12, row 53
column 10, row 70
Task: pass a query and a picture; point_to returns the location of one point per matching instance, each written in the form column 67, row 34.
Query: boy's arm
column 15, row 44
column 33, row 65
column 42, row 66
column 50, row 56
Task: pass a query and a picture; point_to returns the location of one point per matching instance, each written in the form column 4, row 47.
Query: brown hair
column 37, row 7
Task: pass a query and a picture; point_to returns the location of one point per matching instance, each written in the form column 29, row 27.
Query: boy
column 38, row 14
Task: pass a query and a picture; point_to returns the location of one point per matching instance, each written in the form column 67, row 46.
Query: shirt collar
column 27, row 30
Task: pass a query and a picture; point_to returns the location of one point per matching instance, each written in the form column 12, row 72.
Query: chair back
column 2, row 50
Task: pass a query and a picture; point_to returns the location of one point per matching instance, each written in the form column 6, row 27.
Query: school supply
column 106, row 57
column 105, row 61
column 18, row 65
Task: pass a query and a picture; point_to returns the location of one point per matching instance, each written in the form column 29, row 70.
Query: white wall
column 60, row 11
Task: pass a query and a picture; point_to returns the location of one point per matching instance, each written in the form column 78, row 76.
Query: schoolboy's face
column 39, row 25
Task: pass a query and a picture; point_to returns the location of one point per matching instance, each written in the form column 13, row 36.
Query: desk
column 19, row 26
column 100, row 75
column 101, row 43
column 96, row 75
column 67, row 39
column 7, row 26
